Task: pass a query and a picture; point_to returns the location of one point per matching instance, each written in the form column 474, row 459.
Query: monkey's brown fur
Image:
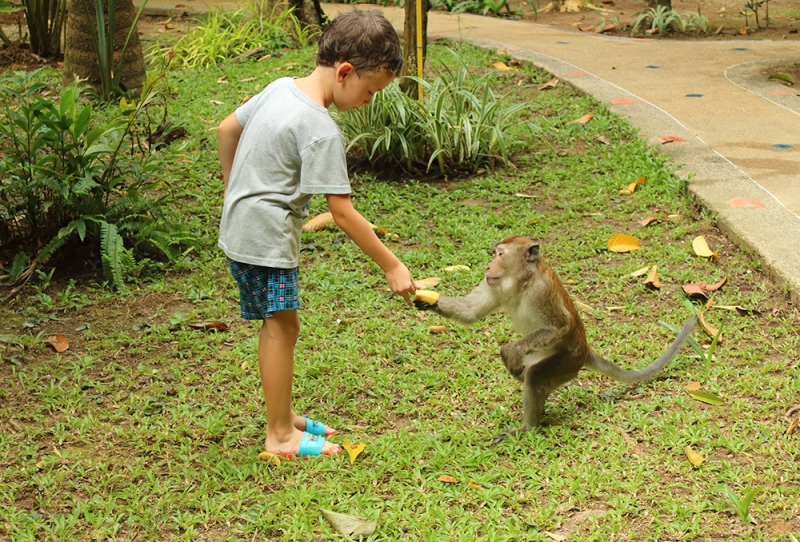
column 553, row 348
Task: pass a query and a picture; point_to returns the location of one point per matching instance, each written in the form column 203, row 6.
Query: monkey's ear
column 533, row 253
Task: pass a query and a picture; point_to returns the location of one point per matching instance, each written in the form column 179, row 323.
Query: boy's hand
column 401, row 282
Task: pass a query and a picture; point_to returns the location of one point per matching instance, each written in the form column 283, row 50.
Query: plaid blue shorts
column 264, row 290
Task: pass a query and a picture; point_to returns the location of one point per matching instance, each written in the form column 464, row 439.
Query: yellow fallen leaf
column 622, row 242
column 352, row 450
column 708, row 328
column 700, row 246
column 584, row 306
column 429, row 282
column 652, row 280
column 640, row 272
column 792, row 427
column 692, row 386
column 447, row 479
column 694, row 458
column 437, row 329
column 473, row 485
column 503, row 67
column 269, row 456
column 646, row 221
column 454, row 268
column 318, row 222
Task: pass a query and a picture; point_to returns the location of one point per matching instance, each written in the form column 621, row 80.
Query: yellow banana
column 428, row 296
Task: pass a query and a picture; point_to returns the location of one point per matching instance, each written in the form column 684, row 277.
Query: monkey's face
column 511, row 262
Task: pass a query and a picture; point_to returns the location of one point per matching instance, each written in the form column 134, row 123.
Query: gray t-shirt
column 289, row 150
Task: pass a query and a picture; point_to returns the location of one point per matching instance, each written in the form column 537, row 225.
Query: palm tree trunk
column 80, row 56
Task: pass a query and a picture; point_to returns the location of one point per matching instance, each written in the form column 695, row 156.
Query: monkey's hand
column 425, row 299
column 513, row 358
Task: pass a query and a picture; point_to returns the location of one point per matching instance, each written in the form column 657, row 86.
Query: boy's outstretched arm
column 228, row 134
column 359, row 230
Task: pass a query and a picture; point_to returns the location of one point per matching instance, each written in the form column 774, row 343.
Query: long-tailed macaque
column 553, row 347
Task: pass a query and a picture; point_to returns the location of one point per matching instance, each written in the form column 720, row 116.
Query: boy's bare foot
column 300, row 443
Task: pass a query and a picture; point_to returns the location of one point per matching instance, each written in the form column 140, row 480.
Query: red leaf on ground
column 672, row 139
column 622, row 101
column 744, row 202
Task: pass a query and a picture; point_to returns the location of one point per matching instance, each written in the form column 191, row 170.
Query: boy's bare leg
column 276, row 364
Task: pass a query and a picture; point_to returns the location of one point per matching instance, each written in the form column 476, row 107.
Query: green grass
column 147, row 430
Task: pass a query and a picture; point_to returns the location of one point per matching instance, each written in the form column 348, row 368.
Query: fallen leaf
column 501, row 66
column 701, row 289
column 269, row 456
column 694, row 458
column 692, row 386
column 353, row 450
column 673, row 217
column 473, row 485
column 671, row 139
column 245, row 364
column 318, row 222
column 58, row 341
column 652, row 280
column 247, row 79
column 223, row 79
column 217, row 102
column 447, row 479
column 584, row 306
column 622, row 242
column 437, row 329
column 744, row 202
column 700, row 246
column 555, row 536
column 583, row 120
column 521, row 195
column 347, row 525
column 219, row 326
column 792, row 426
column 741, row 310
column 622, row 101
column 550, row 84
column 646, row 221
column 710, row 331
column 429, row 282
column 454, row 268
column 640, row 272
column 706, row 397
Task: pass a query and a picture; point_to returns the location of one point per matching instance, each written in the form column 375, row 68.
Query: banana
column 428, row 296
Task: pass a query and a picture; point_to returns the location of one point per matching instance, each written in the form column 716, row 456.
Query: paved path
column 741, row 132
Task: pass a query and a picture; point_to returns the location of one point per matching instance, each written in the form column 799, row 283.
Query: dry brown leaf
column 555, row 536
column 550, row 84
column 692, row 386
column 583, row 120
column 622, row 242
column 652, row 280
column 741, row 310
column 792, row 426
column 646, row 221
column 701, row 289
column 521, row 195
column 223, row 79
column 710, row 331
column 58, row 341
column 473, row 485
column 447, row 479
column 429, row 282
column 318, row 222
column 694, row 458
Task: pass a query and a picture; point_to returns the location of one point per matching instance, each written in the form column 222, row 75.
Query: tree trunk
column 410, row 45
column 80, row 57
column 309, row 13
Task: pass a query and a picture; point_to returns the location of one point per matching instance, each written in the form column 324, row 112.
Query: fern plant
column 65, row 181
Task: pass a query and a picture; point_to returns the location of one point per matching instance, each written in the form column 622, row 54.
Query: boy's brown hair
column 365, row 39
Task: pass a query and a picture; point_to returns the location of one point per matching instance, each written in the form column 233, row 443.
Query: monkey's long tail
column 602, row 365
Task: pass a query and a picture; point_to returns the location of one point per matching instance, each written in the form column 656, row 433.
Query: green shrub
column 459, row 126
column 64, row 181
column 224, row 35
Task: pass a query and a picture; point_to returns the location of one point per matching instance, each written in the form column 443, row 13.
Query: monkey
column 553, row 348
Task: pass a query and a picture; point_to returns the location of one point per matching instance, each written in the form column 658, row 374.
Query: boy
column 276, row 151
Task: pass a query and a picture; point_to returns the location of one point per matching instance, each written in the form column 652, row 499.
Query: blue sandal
column 316, row 428
column 310, row 445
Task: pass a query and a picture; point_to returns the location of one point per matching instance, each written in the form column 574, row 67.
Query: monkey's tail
column 602, row 365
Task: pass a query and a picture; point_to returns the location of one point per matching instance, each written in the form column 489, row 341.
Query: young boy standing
column 276, row 151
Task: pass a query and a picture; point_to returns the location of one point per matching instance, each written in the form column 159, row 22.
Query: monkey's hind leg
column 540, row 381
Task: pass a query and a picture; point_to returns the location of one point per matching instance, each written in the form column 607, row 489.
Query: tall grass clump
column 460, row 125
column 69, row 178
column 223, row 35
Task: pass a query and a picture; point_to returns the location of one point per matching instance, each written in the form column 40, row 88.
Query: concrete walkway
column 741, row 133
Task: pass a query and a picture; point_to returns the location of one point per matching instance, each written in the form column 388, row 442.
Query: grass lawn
column 147, row 429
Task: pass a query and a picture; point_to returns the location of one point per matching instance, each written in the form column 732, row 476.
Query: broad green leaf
column 706, row 397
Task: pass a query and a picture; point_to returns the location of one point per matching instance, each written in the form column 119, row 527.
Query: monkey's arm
column 541, row 342
column 478, row 304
